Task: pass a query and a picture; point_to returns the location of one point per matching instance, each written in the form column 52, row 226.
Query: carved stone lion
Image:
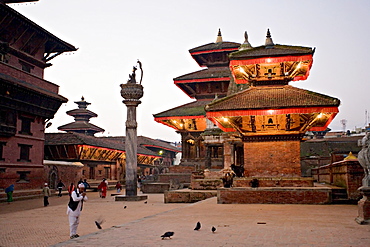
column 364, row 158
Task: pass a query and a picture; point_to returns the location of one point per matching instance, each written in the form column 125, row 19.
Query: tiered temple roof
column 82, row 117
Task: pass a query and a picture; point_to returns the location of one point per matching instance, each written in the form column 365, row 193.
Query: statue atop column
column 132, row 77
column 132, row 93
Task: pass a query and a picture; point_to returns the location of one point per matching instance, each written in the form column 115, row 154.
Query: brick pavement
column 142, row 224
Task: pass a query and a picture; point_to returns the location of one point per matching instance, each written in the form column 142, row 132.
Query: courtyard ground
column 28, row 223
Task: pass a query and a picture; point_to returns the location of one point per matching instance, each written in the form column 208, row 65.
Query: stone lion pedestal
column 363, row 217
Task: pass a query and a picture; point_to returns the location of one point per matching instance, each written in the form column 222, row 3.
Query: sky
column 111, row 35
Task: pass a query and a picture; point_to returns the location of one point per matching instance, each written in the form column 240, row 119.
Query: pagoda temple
column 82, row 117
column 204, row 86
column 258, row 123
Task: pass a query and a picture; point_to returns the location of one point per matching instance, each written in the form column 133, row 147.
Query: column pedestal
column 363, row 217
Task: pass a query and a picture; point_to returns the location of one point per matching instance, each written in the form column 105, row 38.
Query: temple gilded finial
column 219, row 36
column 269, row 41
column 82, row 98
column 246, row 45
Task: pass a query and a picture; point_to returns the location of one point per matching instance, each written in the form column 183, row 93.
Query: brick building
column 27, row 101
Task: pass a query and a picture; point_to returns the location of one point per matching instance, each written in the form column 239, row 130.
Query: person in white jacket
column 75, row 206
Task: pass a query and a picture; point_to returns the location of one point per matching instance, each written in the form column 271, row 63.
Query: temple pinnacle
column 246, row 45
column 269, row 42
column 219, row 36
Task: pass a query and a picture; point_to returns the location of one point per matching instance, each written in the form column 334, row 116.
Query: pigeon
column 145, row 202
column 99, row 222
column 197, row 227
column 167, row 235
column 125, row 207
column 98, row 225
column 213, row 229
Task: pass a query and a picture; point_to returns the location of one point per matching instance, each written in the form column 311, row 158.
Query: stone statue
column 364, row 158
column 228, row 177
column 132, row 77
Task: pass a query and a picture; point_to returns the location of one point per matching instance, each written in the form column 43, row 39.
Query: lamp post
column 131, row 92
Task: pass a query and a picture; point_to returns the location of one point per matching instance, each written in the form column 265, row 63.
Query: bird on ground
column 125, row 207
column 197, row 227
column 167, row 235
column 146, row 202
column 213, row 229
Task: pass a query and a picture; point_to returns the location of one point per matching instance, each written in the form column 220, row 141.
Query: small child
column 118, row 187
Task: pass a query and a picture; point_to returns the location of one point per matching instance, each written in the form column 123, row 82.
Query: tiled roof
column 267, row 97
column 195, row 108
column 213, row 72
column 80, row 125
column 276, row 50
column 143, row 141
column 215, row 46
column 71, row 138
column 84, row 112
column 53, row 43
column 146, row 141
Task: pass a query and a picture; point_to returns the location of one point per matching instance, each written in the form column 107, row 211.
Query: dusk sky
column 111, row 35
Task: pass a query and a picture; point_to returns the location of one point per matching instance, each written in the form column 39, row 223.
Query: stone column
column 207, row 160
column 131, row 147
column 131, row 92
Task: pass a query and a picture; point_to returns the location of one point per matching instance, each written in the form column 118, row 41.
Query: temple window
column 2, row 144
column 26, row 67
column 23, row 176
column 25, row 126
column 24, row 154
column 4, row 58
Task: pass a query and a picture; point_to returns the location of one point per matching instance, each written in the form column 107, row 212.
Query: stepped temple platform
column 317, row 194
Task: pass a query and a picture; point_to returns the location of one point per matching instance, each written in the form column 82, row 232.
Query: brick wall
column 271, row 159
column 206, row 184
column 67, row 173
column 274, row 182
column 347, row 174
column 187, row 196
column 273, row 195
column 181, row 169
column 181, row 178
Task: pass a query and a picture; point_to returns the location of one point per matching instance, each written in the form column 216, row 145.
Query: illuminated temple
column 247, row 115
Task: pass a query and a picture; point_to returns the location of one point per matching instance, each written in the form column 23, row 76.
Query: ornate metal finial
column 246, row 45
column 82, row 98
column 141, row 69
column 269, row 42
column 219, row 36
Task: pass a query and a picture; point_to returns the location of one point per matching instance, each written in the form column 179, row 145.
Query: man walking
column 46, row 191
column 74, row 209
column 60, row 187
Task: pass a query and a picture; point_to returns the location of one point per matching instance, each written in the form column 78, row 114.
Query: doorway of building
column 91, row 172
